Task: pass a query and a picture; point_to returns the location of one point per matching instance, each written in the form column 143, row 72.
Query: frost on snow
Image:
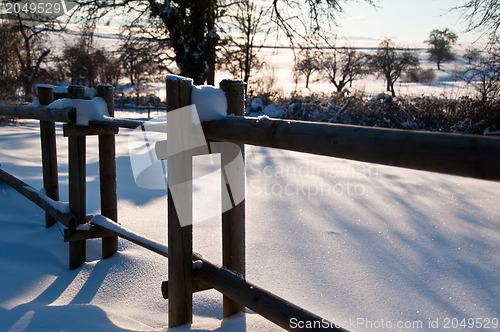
column 62, row 207
column 175, row 77
column 86, row 110
column 272, row 111
column 257, row 105
column 257, row 108
column 210, row 102
column 84, row 227
column 35, row 103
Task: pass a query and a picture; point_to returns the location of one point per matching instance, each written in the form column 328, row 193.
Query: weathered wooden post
column 49, row 152
column 107, row 173
column 233, row 220
column 180, row 238
column 76, row 168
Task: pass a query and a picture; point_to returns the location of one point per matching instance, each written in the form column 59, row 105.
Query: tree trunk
column 198, row 79
column 247, row 64
column 211, row 53
column 28, row 89
column 211, row 68
column 339, row 87
column 137, row 93
column 248, row 49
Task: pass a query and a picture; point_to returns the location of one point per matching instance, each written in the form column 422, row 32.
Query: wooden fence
column 189, row 272
column 142, row 108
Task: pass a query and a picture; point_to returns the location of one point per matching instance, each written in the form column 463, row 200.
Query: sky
column 402, row 20
column 405, row 21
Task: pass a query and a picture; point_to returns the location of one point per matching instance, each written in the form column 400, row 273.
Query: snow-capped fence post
column 49, row 152
column 76, row 169
column 180, row 239
column 107, row 173
column 233, row 220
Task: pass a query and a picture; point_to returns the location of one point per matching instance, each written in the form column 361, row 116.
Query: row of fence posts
column 181, row 285
column 77, row 171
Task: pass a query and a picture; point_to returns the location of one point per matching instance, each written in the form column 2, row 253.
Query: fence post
column 107, row 173
column 49, row 152
column 76, row 168
column 180, row 239
column 233, row 220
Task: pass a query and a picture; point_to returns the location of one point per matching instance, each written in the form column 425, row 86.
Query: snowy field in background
column 345, row 240
column 279, row 63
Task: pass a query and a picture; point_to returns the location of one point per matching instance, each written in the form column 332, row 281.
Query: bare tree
column 187, row 25
column 76, row 63
column 391, row 63
column 440, row 42
column 483, row 73
column 85, row 63
column 109, row 72
column 80, row 63
column 240, row 29
column 307, row 63
column 139, row 61
column 342, row 66
column 307, row 18
column 9, row 67
column 190, row 25
column 482, row 15
column 31, row 51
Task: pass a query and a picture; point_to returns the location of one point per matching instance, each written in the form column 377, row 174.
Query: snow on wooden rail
column 110, row 225
column 77, row 111
column 67, row 114
column 59, row 210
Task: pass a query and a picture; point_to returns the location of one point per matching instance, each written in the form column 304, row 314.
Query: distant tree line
column 343, row 65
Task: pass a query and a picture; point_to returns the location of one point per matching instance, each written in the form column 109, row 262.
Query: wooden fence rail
column 68, row 219
column 148, row 108
column 263, row 302
column 465, row 155
column 455, row 154
column 66, row 115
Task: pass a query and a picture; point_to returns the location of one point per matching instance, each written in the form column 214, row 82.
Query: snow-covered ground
column 356, row 243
